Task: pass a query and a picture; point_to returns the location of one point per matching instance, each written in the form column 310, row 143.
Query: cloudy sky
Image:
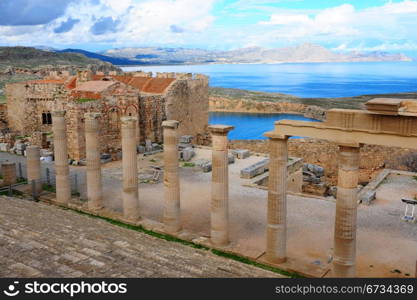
column 211, row 24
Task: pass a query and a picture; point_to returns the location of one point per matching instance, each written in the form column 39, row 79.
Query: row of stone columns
column 93, row 159
column 346, row 205
column 344, row 254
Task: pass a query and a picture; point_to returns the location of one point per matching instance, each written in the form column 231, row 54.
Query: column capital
column 170, row 124
column 220, row 129
column 273, row 135
column 92, row 115
column 58, row 113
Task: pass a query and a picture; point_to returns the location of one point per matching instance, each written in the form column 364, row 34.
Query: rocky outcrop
column 219, row 104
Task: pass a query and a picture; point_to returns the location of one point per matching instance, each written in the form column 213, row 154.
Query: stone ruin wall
column 187, row 101
column 27, row 102
column 151, row 114
column 3, row 116
column 111, row 107
column 373, row 158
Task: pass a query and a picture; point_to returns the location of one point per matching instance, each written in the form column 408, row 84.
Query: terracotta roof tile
column 46, row 81
column 94, row 86
column 143, row 84
column 157, row 85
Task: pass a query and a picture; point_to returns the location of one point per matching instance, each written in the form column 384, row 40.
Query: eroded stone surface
column 31, row 245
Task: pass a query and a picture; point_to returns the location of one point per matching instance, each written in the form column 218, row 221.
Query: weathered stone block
column 141, row 149
column 241, row 153
column 20, row 146
column 255, row 169
column 148, row 146
column 19, row 152
column 156, row 146
column 315, row 169
column 311, row 177
column 186, row 139
column 204, row 165
column 45, row 152
column 231, row 159
column 315, row 189
column 368, row 197
column 4, row 147
column 187, row 154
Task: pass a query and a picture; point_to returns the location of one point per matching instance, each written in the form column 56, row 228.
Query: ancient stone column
column 172, row 215
column 415, row 274
column 344, row 256
column 9, row 173
column 33, row 161
column 63, row 186
column 130, row 169
column 220, row 185
column 92, row 148
column 276, row 229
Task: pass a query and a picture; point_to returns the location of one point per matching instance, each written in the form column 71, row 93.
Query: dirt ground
column 386, row 245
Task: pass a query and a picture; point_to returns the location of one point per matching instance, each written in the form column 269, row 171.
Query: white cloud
column 189, row 23
column 390, row 22
column 283, row 19
column 138, row 23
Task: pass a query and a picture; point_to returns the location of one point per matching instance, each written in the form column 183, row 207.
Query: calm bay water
column 250, row 126
column 307, row 79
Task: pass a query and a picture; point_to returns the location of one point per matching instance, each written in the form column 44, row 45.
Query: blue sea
column 250, row 126
column 309, row 80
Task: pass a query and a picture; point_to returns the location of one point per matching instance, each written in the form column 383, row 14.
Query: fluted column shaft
column 9, row 173
column 276, row 230
column 33, row 162
column 344, row 257
column 172, row 216
column 130, row 169
column 220, row 185
column 63, row 186
column 92, row 147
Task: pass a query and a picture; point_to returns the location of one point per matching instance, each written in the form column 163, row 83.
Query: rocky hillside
column 236, row 100
column 27, row 57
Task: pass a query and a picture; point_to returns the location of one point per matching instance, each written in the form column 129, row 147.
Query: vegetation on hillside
column 326, row 103
column 27, row 57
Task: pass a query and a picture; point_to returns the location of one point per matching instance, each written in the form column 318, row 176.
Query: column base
column 343, row 270
column 219, row 238
column 275, row 260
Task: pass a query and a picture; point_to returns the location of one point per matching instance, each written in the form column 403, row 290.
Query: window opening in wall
column 46, row 118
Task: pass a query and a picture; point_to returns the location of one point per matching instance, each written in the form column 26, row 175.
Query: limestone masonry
column 176, row 96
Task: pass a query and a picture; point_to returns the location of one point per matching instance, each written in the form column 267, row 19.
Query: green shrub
column 188, row 165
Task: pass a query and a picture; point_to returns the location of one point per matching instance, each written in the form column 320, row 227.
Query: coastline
column 260, row 63
column 246, row 101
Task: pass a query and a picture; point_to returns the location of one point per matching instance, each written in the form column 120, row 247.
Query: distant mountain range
column 253, row 55
column 297, row 54
column 113, row 60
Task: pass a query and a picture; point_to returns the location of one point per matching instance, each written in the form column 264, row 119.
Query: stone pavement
column 40, row 240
